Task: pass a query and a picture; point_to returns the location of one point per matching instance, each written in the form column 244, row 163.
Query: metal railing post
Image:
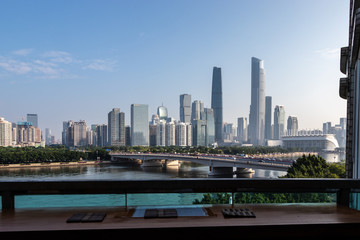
column 8, row 201
column 343, row 197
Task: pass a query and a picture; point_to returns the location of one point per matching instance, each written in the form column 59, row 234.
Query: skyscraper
column 139, row 125
column 102, row 135
column 181, row 134
column 170, row 134
column 257, row 107
column 116, row 127
column 292, row 126
column 217, row 104
column 210, row 127
column 279, row 121
column 162, row 112
column 152, row 134
column 75, row 134
column 160, row 133
column 185, row 108
column 242, row 130
column 198, row 132
column 33, row 119
column 197, row 111
column 48, row 136
column 268, row 110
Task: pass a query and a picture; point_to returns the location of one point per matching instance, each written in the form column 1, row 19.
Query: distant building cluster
column 263, row 129
column 198, row 125
column 21, row 134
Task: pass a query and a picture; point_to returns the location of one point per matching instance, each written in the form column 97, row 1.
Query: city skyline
column 152, row 53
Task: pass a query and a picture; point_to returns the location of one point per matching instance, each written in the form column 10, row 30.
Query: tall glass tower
column 257, row 107
column 32, row 118
column 162, row 113
column 185, row 108
column 217, row 104
column 116, row 127
column 268, row 110
column 210, row 127
column 139, row 125
column 279, row 121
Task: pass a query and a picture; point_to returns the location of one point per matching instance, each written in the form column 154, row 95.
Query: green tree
column 312, row 166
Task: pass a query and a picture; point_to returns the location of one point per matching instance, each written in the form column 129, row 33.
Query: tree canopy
column 312, row 166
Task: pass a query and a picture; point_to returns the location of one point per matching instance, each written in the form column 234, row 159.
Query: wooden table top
column 280, row 219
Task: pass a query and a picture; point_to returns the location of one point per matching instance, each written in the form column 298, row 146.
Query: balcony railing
column 342, row 187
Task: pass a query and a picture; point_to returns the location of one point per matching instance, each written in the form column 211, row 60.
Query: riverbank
column 53, row 164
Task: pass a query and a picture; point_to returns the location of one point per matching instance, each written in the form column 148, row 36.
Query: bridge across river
column 218, row 164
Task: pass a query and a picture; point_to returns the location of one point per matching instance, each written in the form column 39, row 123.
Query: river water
column 116, row 172
column 112, row 172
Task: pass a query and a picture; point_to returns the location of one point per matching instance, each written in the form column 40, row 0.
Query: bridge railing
column 342, row 187
column 247, row 161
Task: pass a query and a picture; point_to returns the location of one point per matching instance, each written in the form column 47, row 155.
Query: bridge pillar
column 221, row 171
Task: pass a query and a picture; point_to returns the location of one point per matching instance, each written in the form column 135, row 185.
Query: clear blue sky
column 72, row 60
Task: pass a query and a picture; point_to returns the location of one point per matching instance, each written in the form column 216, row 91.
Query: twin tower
column 257, row 107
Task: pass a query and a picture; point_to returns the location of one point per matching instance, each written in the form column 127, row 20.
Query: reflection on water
column 119, row 172
column 113, row 172
column 131, row 172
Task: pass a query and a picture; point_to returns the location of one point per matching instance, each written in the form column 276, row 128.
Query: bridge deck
column 280, row 221
column 215, row 161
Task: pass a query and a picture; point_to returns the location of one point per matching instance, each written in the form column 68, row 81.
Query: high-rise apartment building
column 268, row 111
column 27, row 134
column 217, row 103
column 160, row 133
column 116, row 127
column 33, row 119
column 139, row 125
column 279, row 121
column 5, row 133
column 185, row 108
column 180, row 134
column 79, row 130
column 170, row 134
column 102, row 135
column 257, row 107
column 75, row 133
